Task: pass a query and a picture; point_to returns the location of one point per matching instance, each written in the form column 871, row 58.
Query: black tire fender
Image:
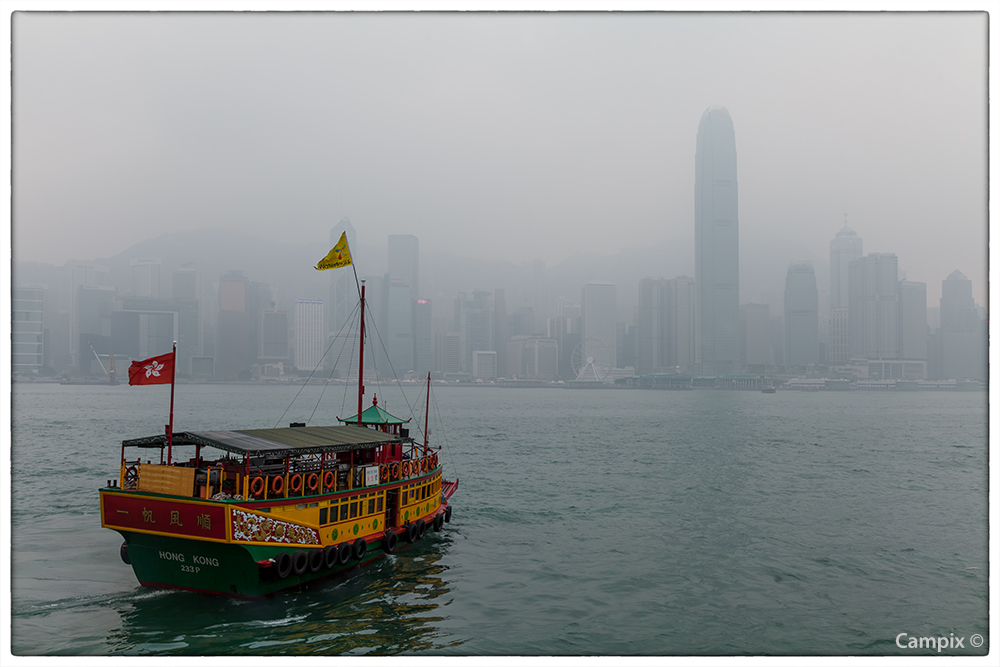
column 389, row 542
column 447, row 515
column 123, row 552
column 421, row 527
column 300, row 562
column 316, row 559
column 344, row 553
column 411, row 532
column 360, row 548
column 330, row 556
column 283, row 564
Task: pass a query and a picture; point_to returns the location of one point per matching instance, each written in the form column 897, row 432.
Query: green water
column 586, row 523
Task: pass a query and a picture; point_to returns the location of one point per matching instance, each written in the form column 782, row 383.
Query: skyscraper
column 801, row 316
column 309, row 337
column 845, row 247
column 874, row 307
column 717, row 260
column 912, row 320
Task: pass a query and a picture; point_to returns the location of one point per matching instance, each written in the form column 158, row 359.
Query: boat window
column 322, row 516
column 379, row 507
column 354, row 510
column 371, row 506
column 343, row 512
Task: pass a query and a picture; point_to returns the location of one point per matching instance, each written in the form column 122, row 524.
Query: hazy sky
column 492, row 135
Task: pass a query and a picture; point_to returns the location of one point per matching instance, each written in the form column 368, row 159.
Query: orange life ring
column 257, row 487
column 434, row 460
column 277, row 485
column 295, row 484
column 427, row 463
column 328, row 479
column 394, row 471
column 406, row 468
column 312, row 482
column 383, row 473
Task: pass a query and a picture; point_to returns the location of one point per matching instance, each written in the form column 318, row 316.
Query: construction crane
column 112, row 376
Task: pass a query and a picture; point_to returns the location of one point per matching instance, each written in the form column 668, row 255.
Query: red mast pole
column 170, row 427
column 427, row 410
column 361, row 361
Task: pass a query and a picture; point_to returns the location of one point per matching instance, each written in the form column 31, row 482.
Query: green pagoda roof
column 374, row 415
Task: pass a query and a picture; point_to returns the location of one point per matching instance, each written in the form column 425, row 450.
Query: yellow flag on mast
column 338, row 257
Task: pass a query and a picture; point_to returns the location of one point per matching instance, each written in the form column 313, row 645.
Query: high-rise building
column 717, row 259
column 474, row 323
column 27, row 330
column 755, row 348
column 273, row 336
column 235, row 348
column 845, row 247
column 423, row 349
column 963, row 337
column 145, row 277
column 873, row 317
column 73, row 276
column 665, row 326
column 309, row 338
column 343, row 289
column 500, row 330
column 404, row 251
column 801, row 316
column 912, row 320
column 599, row 324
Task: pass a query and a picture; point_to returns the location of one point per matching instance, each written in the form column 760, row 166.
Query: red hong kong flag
column 155, row 370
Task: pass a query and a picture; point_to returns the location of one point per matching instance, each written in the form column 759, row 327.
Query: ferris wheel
column 591, row 360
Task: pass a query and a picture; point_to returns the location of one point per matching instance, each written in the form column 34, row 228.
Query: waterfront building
column 873, row 317
column 448, row 353
column 484, row 364
column 501, row 332
column 94, row 307
column 474, row 323
column 272, row 331
column 801, row 316
column 143, row 327
column 309, row 338
column 234, row 345
column 73, row 276
column 912, row 320
column 755, row 348
column 599, row 330
column 963, row 338
column 717, row 262
column 27, row 330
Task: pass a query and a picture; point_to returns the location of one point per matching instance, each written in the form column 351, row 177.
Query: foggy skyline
column 501, row 136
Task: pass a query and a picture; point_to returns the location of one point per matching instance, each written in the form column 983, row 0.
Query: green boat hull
column 222, row 569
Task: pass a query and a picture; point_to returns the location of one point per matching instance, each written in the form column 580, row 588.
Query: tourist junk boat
column 277, row 507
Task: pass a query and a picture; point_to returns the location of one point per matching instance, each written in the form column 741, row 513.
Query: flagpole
column 170, row 427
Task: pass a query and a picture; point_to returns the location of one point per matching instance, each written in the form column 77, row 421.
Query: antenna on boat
column 361, row 360
column 427, row 410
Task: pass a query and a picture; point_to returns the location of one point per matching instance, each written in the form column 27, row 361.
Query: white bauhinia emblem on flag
column 153, row 369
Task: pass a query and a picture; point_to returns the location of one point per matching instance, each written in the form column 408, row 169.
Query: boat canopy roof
column 277, row 441
column 374, row 416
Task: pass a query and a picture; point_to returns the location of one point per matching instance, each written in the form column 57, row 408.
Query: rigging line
column 337, row 361
column 350, row 365
column 306, row 383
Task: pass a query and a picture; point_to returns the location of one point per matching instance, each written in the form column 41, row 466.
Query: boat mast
column 361, row 361
column 427, row 410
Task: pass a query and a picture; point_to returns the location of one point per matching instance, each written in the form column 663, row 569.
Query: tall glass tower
column 717, row 236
